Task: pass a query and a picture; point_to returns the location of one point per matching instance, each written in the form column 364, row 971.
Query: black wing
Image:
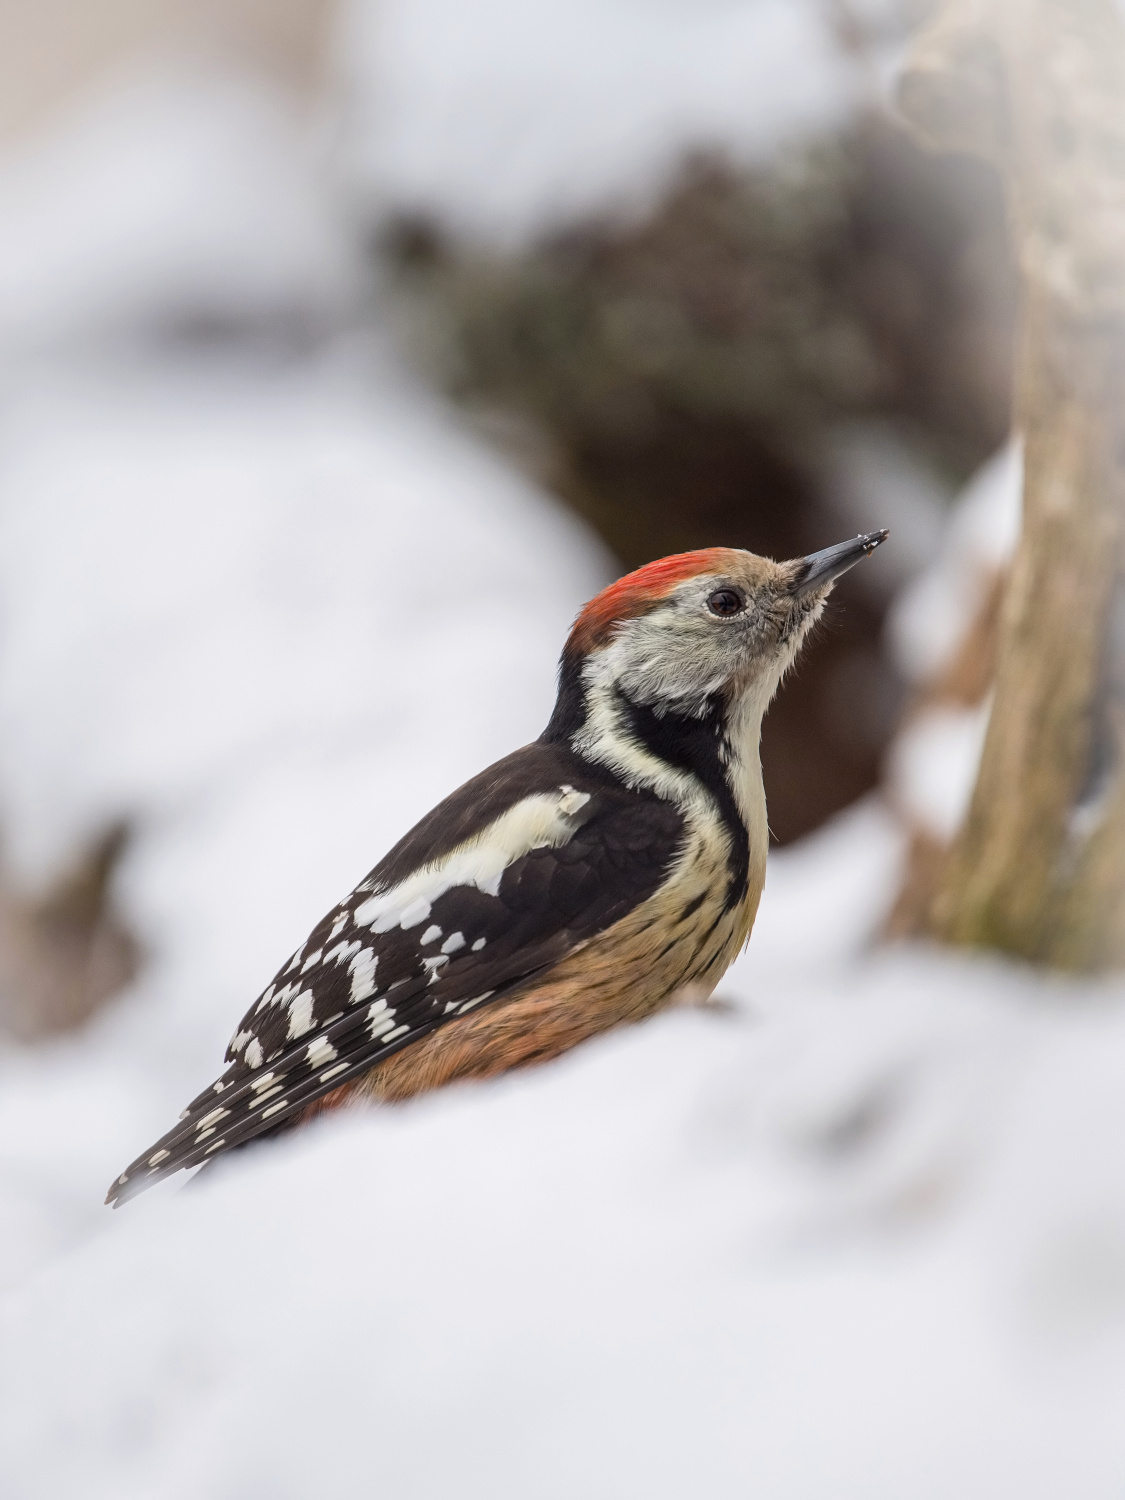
column 354, row 994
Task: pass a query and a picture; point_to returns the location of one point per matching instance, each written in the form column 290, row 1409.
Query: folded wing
column 497, row 885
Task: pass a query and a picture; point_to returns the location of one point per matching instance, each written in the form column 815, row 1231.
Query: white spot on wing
column 478, row 945
column 254, row 1055
column 158, row 1157
column 572, row 801
column 543, row 821
column 409, row 916
column 454, row 941
column 430, row 935
column 279, row 997
column 382, row 1019
column 300, row 1014
column 321, row 1051
column 362, row 968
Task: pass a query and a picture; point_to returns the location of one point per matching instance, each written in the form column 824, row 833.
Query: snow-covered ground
column 862, row 1234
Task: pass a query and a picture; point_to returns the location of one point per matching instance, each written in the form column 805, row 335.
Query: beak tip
column 823, row 568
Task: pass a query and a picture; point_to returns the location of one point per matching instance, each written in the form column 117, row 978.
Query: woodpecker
column 584, row 881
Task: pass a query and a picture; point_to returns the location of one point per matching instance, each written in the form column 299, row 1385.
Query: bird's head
column 686, row 632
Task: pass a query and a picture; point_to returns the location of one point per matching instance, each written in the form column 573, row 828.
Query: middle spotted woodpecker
column 585, row 881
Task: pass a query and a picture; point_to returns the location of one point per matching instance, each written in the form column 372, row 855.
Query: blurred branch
column 1037, row 86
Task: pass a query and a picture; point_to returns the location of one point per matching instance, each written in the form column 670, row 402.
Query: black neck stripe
column 694, row 745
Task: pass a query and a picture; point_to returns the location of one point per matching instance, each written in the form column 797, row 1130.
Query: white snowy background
column 861, row 1235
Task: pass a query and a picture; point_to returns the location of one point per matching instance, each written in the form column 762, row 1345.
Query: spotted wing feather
column 354, row 995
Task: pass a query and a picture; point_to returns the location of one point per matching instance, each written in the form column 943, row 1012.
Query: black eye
column 725, row 602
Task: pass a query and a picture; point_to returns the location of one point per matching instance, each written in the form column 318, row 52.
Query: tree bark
column 1038, row 87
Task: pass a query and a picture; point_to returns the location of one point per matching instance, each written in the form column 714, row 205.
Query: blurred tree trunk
column 1038, row 87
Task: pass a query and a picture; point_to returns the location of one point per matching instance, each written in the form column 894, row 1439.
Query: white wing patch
column 545, row 821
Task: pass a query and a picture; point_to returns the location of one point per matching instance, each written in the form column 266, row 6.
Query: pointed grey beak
column 822, row 568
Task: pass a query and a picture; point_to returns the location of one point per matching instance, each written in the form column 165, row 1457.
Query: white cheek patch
column 544, row 821
column 605, row 738
column 664, row 658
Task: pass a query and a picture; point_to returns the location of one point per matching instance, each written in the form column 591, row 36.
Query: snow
column 169, row 196
column 931, row 616
column 932, row 766
column 506, row 117
column 865, row 1235
column 860, row 1233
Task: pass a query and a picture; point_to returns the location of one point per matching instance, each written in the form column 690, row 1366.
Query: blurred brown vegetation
column 678, row 380
column 64, row 952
